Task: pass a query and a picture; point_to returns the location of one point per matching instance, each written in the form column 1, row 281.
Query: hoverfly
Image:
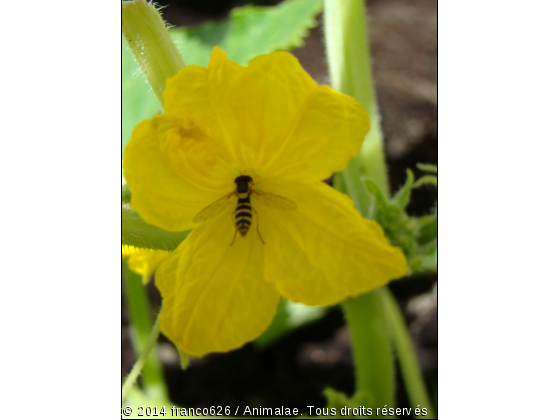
column 243, row 212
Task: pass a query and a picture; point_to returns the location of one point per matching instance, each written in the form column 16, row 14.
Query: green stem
column 137, row 368
column 143, row 339
column 410, row 368
column 151, row 44
column 373, row 359
column 350, row 71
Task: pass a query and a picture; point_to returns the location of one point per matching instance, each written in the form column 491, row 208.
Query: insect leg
column 235, row 227
column 234, row 235
column 257, row 225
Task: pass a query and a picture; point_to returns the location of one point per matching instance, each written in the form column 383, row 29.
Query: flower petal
column 214, row 296
column 199, row 93
column 143, row 261
column 167, row 165
column 329, row 132
column 324, row 251
column 271, row 116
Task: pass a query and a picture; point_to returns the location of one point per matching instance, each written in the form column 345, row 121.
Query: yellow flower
column 143, row 261
column 270, row 121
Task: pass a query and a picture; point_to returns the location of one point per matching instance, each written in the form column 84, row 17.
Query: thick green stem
column 144, row 337
column 350, row 71
column 410, row 368
column 349, row 66
column 373, row 358
column 151, row 44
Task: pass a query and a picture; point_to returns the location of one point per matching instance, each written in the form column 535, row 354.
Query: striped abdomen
column 243, row 214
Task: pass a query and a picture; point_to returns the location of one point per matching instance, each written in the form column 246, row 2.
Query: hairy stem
column 349, row 66
column 350, row 71
column 367, row 316
column 151, row 44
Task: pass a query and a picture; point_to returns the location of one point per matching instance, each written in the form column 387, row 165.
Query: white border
column 499, row 286
column 60, row 208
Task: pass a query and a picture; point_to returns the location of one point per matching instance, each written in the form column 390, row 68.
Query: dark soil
column 294, row 371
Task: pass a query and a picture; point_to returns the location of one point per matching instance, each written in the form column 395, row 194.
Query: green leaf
column 289, row 316
column 402, row 197
column 249, row 31
column 426, row 228
column 417, row 237
column 138, row 100
column 379, row 199
column 426, row 167
column 138, row 233
column 426, row 180
column 428, row 257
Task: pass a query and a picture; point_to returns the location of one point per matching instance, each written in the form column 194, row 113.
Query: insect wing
column 211, row 211
column 276, row 201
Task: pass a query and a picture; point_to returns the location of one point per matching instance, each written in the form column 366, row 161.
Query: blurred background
column 310, row 350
